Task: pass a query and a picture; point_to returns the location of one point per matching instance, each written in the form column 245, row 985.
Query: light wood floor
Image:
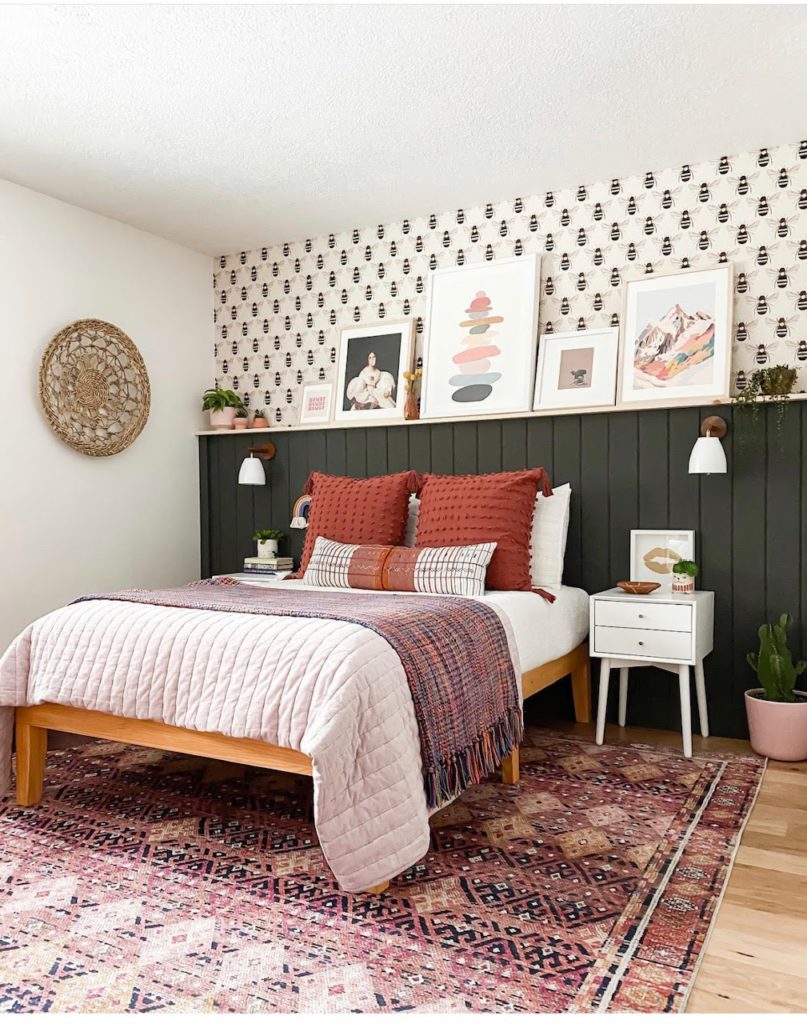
column 756, row 960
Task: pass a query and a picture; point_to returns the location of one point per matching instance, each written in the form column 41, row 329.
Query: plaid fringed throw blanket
column 454, row 652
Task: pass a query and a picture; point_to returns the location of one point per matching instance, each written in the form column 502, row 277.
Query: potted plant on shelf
column 259, row 419
column 777, row 711
column 223, row 406
column 267, row 542
column 771, row 384
column 241, row 421
column 684, row 573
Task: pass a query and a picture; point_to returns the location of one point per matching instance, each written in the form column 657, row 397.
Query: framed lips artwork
column 653, row 553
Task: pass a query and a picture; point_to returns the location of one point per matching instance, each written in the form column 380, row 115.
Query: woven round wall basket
column 94, row 387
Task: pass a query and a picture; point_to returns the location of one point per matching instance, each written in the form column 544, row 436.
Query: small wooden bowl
column 637, row 587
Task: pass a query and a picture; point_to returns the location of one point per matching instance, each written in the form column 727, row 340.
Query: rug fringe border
column 724, row 888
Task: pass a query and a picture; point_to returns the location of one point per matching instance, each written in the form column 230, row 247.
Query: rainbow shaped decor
column 474, row 382
column 299, row 512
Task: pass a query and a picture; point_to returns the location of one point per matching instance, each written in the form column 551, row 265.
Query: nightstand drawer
column 644, row 615
column 643, row 643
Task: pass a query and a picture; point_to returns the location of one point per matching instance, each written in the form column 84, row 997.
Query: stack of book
column 268, row 566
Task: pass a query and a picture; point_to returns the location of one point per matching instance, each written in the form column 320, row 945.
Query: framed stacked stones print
column 677, row 337
column 482, row 323
column 372, row 362
column 577, row 369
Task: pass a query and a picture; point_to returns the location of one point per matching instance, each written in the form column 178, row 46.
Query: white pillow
column 412, row 521
column 550, row 526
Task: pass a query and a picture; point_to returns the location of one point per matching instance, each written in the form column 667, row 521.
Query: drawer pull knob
column 641, row 615
column 641, row 643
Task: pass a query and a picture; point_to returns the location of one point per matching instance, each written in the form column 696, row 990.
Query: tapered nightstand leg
column 700, row 690
column 602, row 699
column 686, row 715
column 623, row 695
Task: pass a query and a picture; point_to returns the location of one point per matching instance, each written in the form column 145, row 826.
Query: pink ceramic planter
column 222, row 420
column 778, row 731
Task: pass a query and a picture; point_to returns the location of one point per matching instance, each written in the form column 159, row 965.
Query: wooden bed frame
column 32, row 724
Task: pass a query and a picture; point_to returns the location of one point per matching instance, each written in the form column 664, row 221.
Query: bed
column 79, row 670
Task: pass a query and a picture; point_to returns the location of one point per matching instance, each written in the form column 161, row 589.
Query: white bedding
column 542, row 631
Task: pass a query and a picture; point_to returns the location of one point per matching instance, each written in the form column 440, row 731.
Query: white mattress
column 541, row 631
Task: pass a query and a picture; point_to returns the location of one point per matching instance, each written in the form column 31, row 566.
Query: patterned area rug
column 148, row 881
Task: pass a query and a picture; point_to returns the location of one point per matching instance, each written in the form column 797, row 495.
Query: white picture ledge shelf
column 531, row 414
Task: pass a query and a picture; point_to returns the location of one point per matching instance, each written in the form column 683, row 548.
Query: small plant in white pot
column 268, row 541
column 777, row 712
column 684, row 573
column 223, row 406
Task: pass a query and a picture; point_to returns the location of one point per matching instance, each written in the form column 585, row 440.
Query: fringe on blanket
column 480, row 758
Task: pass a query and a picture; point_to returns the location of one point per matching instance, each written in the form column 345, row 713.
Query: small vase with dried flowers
column 411, row 409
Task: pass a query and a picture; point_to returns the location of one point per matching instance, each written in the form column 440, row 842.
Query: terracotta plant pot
column 777, row 730
column 259, row 421
column 241, row 422
column 222, row 420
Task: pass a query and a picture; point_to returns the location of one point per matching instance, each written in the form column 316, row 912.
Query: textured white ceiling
column 229, row 127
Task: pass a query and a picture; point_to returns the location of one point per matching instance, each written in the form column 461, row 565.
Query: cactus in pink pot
column 777, row 712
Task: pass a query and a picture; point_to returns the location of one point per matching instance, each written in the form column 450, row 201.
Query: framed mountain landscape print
column 676, row 337
column 482, row 323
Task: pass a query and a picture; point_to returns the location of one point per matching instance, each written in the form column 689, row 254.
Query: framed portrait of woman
column 372, row 362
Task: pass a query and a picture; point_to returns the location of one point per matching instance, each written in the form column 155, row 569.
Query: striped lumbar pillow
column 455, row 570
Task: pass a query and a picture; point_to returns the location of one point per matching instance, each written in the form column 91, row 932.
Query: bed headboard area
column 628, row 470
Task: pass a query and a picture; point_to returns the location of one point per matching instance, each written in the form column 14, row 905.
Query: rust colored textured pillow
column 371, row 511
column 491, row 507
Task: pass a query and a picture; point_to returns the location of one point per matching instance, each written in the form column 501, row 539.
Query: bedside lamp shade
column 252, row 472
column 707, row 453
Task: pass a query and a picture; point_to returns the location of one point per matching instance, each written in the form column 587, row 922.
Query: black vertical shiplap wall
column 627, row 470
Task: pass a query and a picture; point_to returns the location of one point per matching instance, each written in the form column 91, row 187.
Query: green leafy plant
column 260, row 414
column 219, row 399
column 771, row 384
column 774, row 662
column 690, row 568
column 269, row 535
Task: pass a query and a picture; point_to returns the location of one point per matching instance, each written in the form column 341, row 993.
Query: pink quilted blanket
column 454, row 652
column 297, row 676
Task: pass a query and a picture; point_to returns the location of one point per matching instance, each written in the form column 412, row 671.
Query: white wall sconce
column 252, row 471
column 707, row 452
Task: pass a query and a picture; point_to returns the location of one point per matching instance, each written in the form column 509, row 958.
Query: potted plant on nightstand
column 684, row 573
column 777, row 712
column 267, row 542
column 223, row 406
column 259, row 419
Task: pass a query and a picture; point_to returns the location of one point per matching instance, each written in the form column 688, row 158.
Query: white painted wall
column 69, row 523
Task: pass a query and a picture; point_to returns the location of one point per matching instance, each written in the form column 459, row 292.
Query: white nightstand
column 670, row 631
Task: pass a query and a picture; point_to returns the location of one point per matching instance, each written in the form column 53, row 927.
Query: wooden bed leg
column 581, row 690
column 376, row 889
column 32, row 746
column 510, row 768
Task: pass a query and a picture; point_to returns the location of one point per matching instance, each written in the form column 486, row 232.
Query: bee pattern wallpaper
column 279, row 310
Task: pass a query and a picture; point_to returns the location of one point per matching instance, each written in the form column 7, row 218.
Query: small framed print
column 316, row 404
column 653, row 553
column 577, row 368
column 677, row 337
column 372, row 363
